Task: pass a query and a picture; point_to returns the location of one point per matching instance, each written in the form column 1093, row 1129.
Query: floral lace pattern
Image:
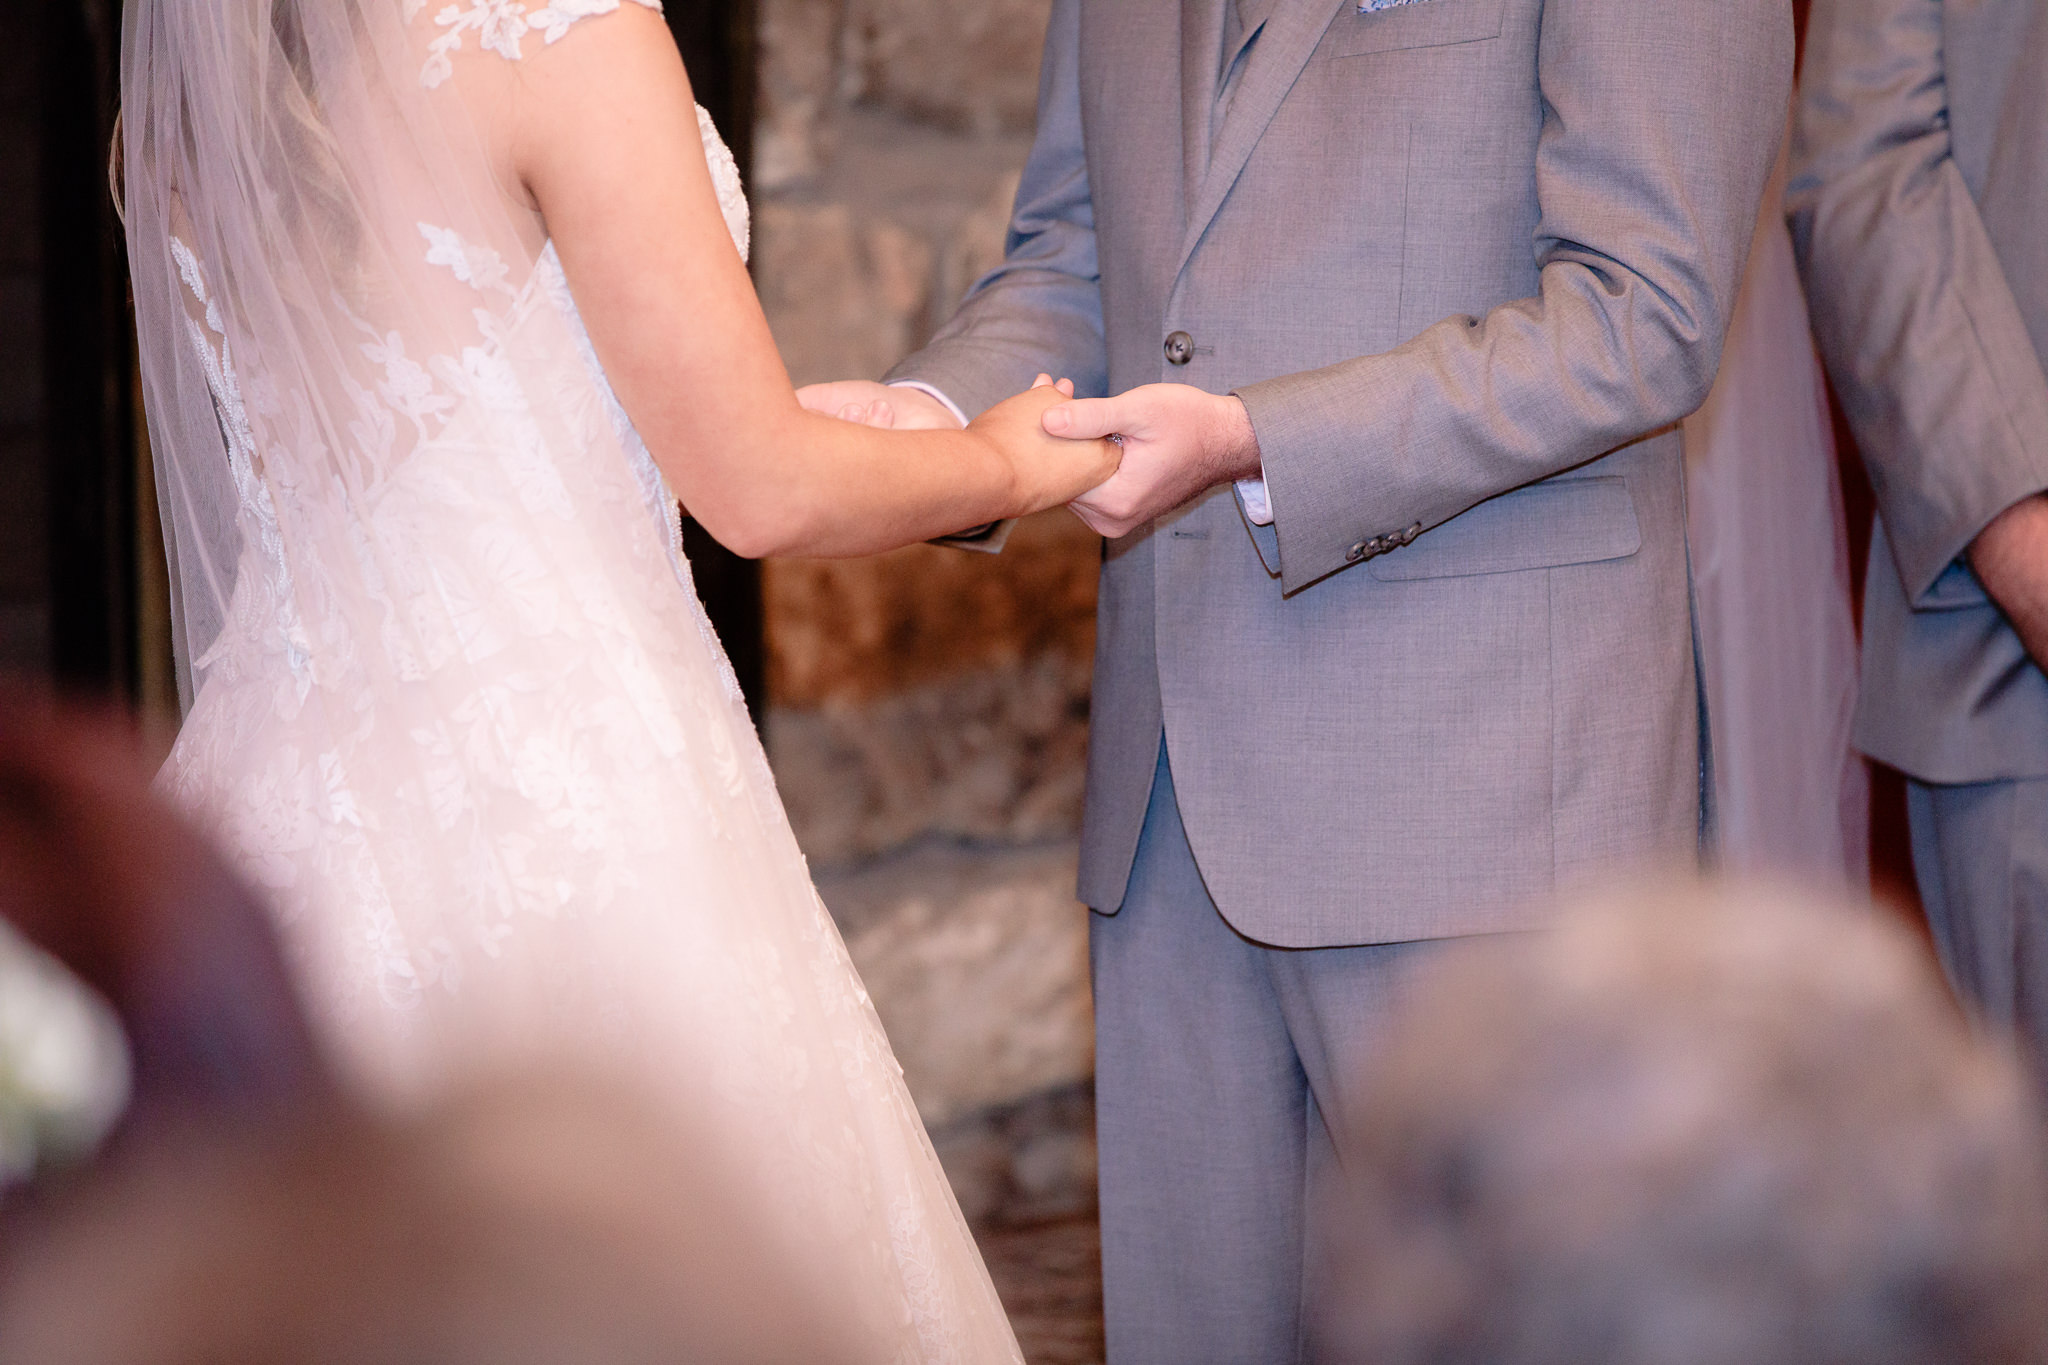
column 501, row 26
column 469, row 726
column 269, row 607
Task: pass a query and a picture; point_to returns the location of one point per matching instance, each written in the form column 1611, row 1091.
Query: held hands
column 1048, row 470
column 1177, row 442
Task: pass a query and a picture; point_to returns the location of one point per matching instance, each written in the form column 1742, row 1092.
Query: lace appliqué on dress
column 501, row 26
column 258, row 510
column 485, row 270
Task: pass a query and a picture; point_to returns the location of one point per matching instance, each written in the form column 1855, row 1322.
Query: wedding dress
column 453, row 701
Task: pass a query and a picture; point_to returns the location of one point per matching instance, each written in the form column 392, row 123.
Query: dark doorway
column 87, row 382
column 67, row 456
column 717, row 38
column 24, row 576
column 718, row 42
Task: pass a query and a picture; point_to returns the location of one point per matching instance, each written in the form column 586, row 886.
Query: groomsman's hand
column 2011, row 559
column 878, row 405
column 1178, row 442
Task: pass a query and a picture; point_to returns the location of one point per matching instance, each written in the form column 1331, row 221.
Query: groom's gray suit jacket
column 1920, row 207
column 1466, row 262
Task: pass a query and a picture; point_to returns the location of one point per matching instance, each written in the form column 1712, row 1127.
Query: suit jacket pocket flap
column 1542, row 526
column 1419, row 23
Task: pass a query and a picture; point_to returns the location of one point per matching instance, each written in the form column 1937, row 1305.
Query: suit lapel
column 1290, row 39
column 1201, row 49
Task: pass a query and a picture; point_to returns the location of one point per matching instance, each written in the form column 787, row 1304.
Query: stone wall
column 928, row 715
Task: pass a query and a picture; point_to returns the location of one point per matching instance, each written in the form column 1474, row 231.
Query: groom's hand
column 1178, row 442
column 878, row 405
column 2010, row 557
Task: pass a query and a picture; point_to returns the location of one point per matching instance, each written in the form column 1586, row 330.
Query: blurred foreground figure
column 532, row 1224
column 1701, row 1128
column 103, row 877
column 251, row 1212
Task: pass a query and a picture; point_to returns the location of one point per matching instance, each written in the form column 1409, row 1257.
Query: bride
column 442, row 306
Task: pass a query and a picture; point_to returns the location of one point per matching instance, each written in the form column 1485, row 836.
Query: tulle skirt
column 512, row 812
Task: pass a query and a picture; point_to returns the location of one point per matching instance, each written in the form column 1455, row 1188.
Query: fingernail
column 1058, row 420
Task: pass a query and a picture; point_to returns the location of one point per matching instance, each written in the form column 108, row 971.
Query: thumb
column 1087, row 419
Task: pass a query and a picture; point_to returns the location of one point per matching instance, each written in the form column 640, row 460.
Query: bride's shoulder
column 506, row 30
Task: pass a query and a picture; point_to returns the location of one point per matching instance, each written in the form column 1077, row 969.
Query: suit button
column 1180, row 349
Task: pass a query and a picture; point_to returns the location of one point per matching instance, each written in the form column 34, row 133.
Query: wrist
column 2014, row 546
column 1236, row 452
column 2015, row 523
column 1010, row 481
column 2010, row 558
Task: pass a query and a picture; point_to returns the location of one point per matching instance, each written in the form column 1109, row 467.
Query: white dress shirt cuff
column 948, row 403
column 1258, row 504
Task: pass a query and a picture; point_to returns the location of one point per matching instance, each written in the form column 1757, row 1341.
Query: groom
column 1430, row 282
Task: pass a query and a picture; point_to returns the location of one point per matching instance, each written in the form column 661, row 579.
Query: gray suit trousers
column 1980, row 854
column 1224, row 1068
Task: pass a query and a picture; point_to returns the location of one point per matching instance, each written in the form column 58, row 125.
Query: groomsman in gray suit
column 1920, row 209
column 1402, row 300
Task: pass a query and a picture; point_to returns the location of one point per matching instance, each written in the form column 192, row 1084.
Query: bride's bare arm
column 604, row 137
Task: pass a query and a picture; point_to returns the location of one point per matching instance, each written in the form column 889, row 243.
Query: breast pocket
column 1412, row 24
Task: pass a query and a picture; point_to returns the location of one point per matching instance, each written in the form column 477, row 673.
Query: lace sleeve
column 502, row 26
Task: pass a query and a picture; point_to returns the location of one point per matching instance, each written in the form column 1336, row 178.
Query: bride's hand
column 1048, row 471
